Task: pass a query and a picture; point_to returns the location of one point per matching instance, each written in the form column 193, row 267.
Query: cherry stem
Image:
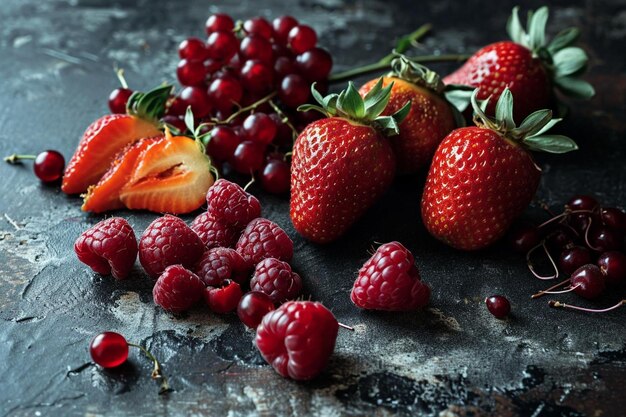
column 530, row 264
column 120, row 76
column 241, row 110
column 560, row 216
column 540, row 293
column 15, row 158
column 345, row 326
column 558, row 304
column 545, row 207
column 157, row 372
column 285, row 119
column 252, row 180
column 570, row 289
column 587, row 236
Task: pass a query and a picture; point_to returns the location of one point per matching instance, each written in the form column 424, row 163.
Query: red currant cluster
column 585, row 242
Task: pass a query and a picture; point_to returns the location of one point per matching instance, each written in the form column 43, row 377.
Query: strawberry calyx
column 149, row 106
column 364, row 110
column 565, row 63
column 530, row 134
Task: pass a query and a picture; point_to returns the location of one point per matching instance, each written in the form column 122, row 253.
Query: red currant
column 49, row 166
column 222, row 143
column 191, row 72
column 198, row 99
column 315, row 64
column 225, row 92
column 219, row 22
column 257, row 77
column 258, row 26
column 284, row 66
column 302, row 38
column 276, row 177
column 259, row 127
column 498, row 305
column 252, row 307
column 118, row 99
column 248, row 157
column 294, row 90
column 282, row 25
column 109, row 349
column 192, row 49
column 256, row 47
column 222, row 46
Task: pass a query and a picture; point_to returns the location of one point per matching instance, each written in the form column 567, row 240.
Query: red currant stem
column 558, row 304
column 540, row 293
column 238, row 29
column 15, row 158
column 381, row 66
column 587, row 236
column 532, row 268
column 285, row 119
column 345, row 326
column 560, row 216
column 569, row 289
column 241, row 110
column 157, row 372
column 245, row 188
column 120, row 76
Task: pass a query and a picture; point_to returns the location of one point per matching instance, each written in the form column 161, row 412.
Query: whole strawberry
column 342, row 164
column 390, row 281
column 297, row 338
column 483, row 177
column 430, row 119
column 529, row 66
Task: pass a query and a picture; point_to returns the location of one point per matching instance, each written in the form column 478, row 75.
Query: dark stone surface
column 453, row 359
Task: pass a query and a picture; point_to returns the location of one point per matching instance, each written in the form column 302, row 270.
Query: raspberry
column 168, row 241
column 177, row 289
column 262, row 239
column 297, row 338
column 220, row 264
column 109, row 247
column 275, row 278
column 390, row 281
column 225, row 299
column 231, row 204
column 213, row 233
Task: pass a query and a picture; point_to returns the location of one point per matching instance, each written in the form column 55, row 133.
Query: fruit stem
column 560, row 216
column 532, row 268
column 540, row 293
column 285, row 119
column 15, row 158
column 120, row 76
column 545, row 207
column 558, row 304
column 245, row 188
column 345, row 326
column 157, row 372
column 381, row 66
column 570, row 289
column 241, row 110
column 587, row 236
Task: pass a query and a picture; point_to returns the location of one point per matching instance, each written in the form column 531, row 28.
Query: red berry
column 191, row 72
column 614, row 219
column 498, row 305
column 220, row 264
column 302, row 38
column 588, row 281
column 282, row 25
column 175, row 121
column 219, row 22
column 211, row 66
column 222, row 46
column 252, row 307
column 259, row 27
column 109, row 349
column 198, row 99
column 248, row 157
column 294, row 91
column 582, row 202
column 213, row 233
column 118, row 99
column 176, row 107
column 168, row 241
column 109, row 247
column 256, row 47
column 193, row 49
column 49, row 166
column 231, row 204
column 613, row 266
column 603, row 239
column 276, row 279
column 284, row 66
column 298, row 338
column 222, row 143
column 276, row 177
column 390, row 281
column 262, row 239
column 573, row 258
column 284, row 134
column 226, row 92
column 257, row 77
column 315, row 64
column 177, row 289
column 225, row 299
column 259, row 127
column 523, row 237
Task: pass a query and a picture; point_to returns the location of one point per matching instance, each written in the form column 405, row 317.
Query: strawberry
column 110, row 134
column 483, row 177
column 430, row 119
column 529, row 66
column 342, row 164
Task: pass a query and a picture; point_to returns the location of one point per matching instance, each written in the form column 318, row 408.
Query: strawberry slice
column 108, row 135
column 105, row 195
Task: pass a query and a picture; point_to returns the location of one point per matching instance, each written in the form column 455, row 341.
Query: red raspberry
column 220, row 264
column 275, row 278
column 231, row 204
column 177, row 289
column 168, row 241
column 225, row 299
column 390, row 281
column 297, row 338
column 262, row 239
column 109, row 247
column 213, row 233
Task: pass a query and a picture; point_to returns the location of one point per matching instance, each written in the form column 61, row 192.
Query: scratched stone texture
column 454, row 359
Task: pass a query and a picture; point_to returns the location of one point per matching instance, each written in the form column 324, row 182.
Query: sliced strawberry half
column 105, row 195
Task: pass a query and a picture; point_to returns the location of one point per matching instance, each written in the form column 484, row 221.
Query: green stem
column 15, row 158
column 412, row 39
column 253, row 106
column 157, row 372
column 381, row 66
column 285, row 119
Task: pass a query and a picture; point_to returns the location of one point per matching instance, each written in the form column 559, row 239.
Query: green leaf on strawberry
column 149, row 106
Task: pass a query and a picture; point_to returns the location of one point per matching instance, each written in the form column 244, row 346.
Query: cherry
column 198, row 99
column 276, row 177
column 582, row 202
column 282, row 26
column 193, row 49
column 294, row 90
column 190, row 72
column 248, row 157
column 118, row 99
column 498, row 305
column 176, row 106
column 256, row 47
column 282, row 50
column 613, row 218
column 109, row 349
column 284, row 66
column 613, row 266
column 219, row 22
column 579, row 222
column 588, row 281
column 253, row 306
column 225, row 299
column 315, row 64
column 48, row 165
column 301, row 38
column 560, row 238
column 225, row 91
column 284, row 134
column 211, row 66
column 222, row 143
column 259, row 127
column 259, row 27
column 257, row 77
column 222, row 46
column 523, row 237
column 176, row 121
column 573, row 258
column 603, row 239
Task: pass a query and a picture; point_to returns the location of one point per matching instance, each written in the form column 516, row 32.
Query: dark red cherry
column 613, row 265
column 560, row 238
column 109, row 349
column 284, row 134
column 118, row 99
column 614, row 219
column 222, row 46
column 258, row 26
column 222, row 143
column 573, row 258
column 276, row 177
column 294, row 90
column 176, row 121
column 191, row 72
column 284, row 66
column 256, row 47
column 282, row 25
column 253, row 306
column 523, row 237
column 315, row 64
column 580, row 222
column 257, row 77
column 498, row 305
column 193, row 49
column 259, row 127
column 301, row 38
column 582, row 202
column 225, row 91
column 49, row 166
column 219, row 22
column 603, row 239
column 198, row 99
column 588, row 281
column 248, row 157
